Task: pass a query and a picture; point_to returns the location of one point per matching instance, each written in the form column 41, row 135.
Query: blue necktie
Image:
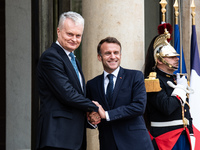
column 73, row 61
column 109, row 91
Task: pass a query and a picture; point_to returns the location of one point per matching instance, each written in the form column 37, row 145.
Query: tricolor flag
column 194, row 98
column 181, row 66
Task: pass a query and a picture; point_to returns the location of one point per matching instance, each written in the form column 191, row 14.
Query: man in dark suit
column 61, row 124
column 122, row 106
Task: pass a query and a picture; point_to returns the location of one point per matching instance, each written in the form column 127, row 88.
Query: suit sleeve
column 54, row 73
column 137, row 102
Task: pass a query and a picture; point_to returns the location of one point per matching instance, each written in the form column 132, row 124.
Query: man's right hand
column 182, row 81
column 101, row 110
column 93, row 117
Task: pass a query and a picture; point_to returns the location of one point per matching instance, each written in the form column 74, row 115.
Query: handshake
column 95, row 117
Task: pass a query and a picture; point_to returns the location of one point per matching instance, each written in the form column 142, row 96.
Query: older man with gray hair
column 63, row 106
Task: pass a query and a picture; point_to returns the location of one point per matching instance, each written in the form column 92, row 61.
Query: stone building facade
column 28, row 27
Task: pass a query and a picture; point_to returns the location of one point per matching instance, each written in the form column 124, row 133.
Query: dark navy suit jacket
column 126, row 126
column 63, row 104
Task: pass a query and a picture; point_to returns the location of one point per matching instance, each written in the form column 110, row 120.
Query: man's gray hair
column 77, row 18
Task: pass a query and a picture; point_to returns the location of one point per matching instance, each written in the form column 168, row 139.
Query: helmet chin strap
column 166, row 63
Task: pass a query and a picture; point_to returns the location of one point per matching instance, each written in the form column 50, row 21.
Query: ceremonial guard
column 167, row 114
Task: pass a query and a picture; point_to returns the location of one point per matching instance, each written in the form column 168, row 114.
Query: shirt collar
column 66, row 51
column 163, row 73
column 115, row 73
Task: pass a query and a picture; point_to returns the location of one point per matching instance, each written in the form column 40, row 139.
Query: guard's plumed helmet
column 162, row 48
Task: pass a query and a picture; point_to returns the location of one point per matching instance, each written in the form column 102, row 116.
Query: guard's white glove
column 181, row 80
column 181, row 88
column 192, row 139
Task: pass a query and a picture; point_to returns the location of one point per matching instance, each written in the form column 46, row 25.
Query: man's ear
column 159, row 62
column 99, row 57
column 58, row 31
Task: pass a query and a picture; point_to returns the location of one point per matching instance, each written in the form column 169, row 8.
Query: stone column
column 187, row 29
column 121, row 19
column 18, row 74
column 197, row 3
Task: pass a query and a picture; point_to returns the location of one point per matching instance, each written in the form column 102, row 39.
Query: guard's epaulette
column 152, row 84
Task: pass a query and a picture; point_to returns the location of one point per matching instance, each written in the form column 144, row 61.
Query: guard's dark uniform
column 165, row 114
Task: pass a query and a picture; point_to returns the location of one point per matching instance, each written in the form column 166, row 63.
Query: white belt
column 168, row 123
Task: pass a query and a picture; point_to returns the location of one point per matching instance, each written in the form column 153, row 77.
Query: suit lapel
column 68, row 64
column 119, row 81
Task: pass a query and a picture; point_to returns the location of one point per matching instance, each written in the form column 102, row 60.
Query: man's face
column 69, row 35
column 172, row 61
column 110, row 56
